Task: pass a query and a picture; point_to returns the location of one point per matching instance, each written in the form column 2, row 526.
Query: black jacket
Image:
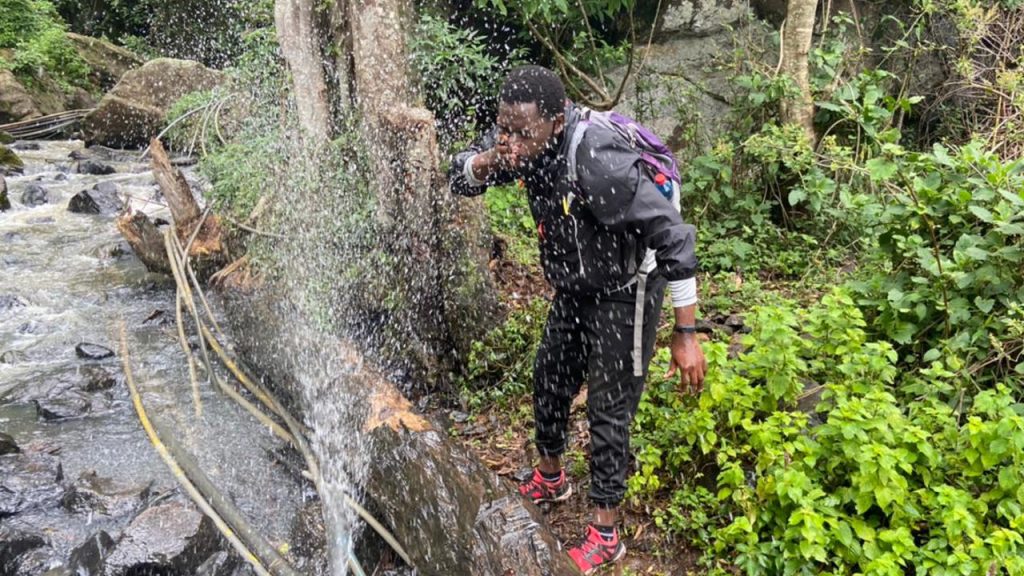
column 614, row 214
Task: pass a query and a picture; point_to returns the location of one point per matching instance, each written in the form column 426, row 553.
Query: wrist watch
column 681, row 329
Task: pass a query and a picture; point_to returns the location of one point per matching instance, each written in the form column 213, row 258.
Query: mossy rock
column 9, row 161
column 5, row 202
column 5, row 138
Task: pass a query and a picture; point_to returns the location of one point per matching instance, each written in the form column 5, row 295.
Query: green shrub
column 865, row 484
column 500, row 366
column 34, row 30
column 508, row 212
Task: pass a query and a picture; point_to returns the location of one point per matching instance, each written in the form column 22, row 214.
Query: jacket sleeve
column 622, row 198
column 460, row 183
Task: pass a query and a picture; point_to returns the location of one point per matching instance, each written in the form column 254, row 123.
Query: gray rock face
column 15, row 103
column 166, row 538
column 90, row 351
column 699, row 17
column 29, row 481
column 91, row 493
column 135, row 109
column 34, row 195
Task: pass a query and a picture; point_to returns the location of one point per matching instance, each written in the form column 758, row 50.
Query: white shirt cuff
column 684, row 292
column 467, row 170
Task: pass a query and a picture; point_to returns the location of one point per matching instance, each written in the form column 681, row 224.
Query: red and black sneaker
column 540, row 490
column 597, row 552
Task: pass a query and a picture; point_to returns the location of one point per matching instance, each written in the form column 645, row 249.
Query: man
column 610, row 241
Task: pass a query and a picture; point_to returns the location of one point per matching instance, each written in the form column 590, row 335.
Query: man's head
column 531, row 111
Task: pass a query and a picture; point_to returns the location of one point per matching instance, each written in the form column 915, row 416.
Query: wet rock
column 700, row 17
column 135, row 109
column 12, row 357
column 88, row 559
column 92, row 493
column 29, row 480
column 220, row 564
column 106, row 188
column 5, row 202
column 14, row 543
column 95, row 202
column 39, row 561
column 95, row 168
column 41, row 220
column 8, row 445
column 34, row 195
column 98, row 378
column 59, row 571
column 25, row 145
column 172, row 537
column 308, row 532
column 15, row 102
column 90, row 351
column 63, row 405
column 735, row 322
column 10, row 301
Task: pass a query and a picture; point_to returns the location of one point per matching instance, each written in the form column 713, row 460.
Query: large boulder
column 29, row 480
column 107, row 61
column 136, row 109
column 16, row 103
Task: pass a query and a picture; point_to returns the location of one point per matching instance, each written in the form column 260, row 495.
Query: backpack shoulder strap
column 574, row 144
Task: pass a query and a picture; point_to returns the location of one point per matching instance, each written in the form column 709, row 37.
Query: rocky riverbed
column 81, row 489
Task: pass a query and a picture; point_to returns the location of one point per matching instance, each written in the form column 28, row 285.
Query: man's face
column 524, row 133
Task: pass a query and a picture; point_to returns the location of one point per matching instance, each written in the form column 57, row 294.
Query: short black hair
column 534, row 84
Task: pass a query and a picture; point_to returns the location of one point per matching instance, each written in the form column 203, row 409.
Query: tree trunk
column 441, row 269
column 206, row 245
column 796, row 45
column 297, row 36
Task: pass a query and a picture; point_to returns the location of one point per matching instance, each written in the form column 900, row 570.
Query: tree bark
column 798, row 30
column 441, row 269
column 207, row 245
column 297, row 36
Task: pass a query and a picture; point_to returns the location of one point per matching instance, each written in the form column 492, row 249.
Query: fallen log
column 200, row 233
column 452, row 515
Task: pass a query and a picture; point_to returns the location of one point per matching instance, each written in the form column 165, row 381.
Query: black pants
column 591, row 339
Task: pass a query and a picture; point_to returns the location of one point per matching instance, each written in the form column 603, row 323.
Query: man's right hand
column 500, row 158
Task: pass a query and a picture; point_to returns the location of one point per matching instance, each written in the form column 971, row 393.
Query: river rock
column 10, row 301
column 92, row 493
column 88, row 559
column 5, row 202
column 8, row 445
column 135, row 109
column 63, row 405
column 29, row 480
column 166, row 538
column 90, row 351
column 15, row 102
column 10, row 163
column 95, row 202
column 95, row 168
column 14, row 542
column 34, row 195
column 97, row 379
column 25, row 145
column 219, row 564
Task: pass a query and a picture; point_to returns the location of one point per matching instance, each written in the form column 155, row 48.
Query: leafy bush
column 460, row 75
column 35, row 32
column 508, row 212
column 866, row 483
column 500, row 366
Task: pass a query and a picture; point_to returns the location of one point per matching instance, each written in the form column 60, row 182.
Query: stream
column 68, row 282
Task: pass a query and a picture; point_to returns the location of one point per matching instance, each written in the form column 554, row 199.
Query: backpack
column 655, row 156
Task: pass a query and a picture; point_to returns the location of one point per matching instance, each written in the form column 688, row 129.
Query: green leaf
column 984, row 304
column 880, row 169
column 797, row 195
column 982, row 213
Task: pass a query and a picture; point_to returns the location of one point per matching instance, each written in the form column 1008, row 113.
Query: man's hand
column 688, row 360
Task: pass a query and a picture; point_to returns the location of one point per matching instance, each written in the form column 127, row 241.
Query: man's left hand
column 688, row 359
